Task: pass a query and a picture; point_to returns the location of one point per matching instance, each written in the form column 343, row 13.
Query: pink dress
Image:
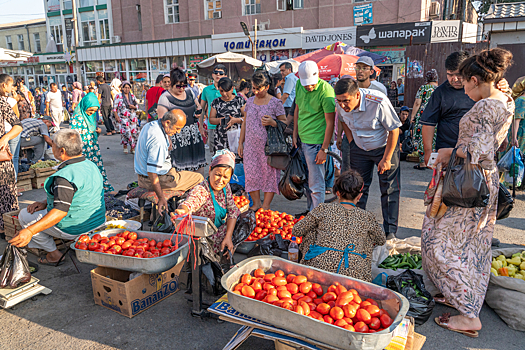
column 259, row 175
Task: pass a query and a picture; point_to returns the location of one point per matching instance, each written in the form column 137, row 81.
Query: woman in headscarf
column 76, row 95
column 422, row 98
column 83, row 120
column 213, row 199
column 125, row 105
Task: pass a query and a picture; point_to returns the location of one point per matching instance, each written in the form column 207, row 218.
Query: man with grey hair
column 74, row 204
column 153, row 160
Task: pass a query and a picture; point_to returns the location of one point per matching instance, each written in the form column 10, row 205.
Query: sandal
column 440, row 299
column 442, row 321
column 44, row 261
column 419, row 167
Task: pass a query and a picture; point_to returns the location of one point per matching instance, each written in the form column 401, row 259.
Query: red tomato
column 246, row 278
column 372, row 310
column 348, row 320
column 386, row 321
column 165, row 251
column 305, row 287
column 281, row 288
column 239, row 286
column 256, row 285
column 363, row 316
column 296, row 296
column 153, row 251
column 279, row 273
column 300, row 280
column 306, row 299
column 328, row 319
column 270, row 299
column 312, row 295
column 323, row 309
column 260, row 295
column 361, row 327
column 382, row 312
column 332, row 288
column 111, row 243
column 124, row 234
column 339, row 289
column 350, row 310
column 152, row 243
column 375, row 323
column 337, row 313
column 279, row 281
column 284, row 294
column 127, row 244
column 248, row 291
column 132, row 235
column 299, row 309
column 346, row 295
column 268, row 277
column 129, row 252
column 364, row 304
column 117, row 248
column 259, row 273
column 138, row 255
column 104, row 246
column 317, row 289
column 340, row 323
column 99, row 250
column 267, row 286
column 120, row 241
column 357, row 299
column 148, row 255
column 331, row 303
column 92, row 246
column 104, row 240
column 83, row 239
column 330, row 296
column 159, row 245
column 286, row 305
column 316, row 315
column 97, row 236
column 372, row 301
column 305, row 306
column 112, row 251
column 272, row 291
column 292, row 288
column 166, row 243
column 318, row 301
column 313, row 306
column 349, row 327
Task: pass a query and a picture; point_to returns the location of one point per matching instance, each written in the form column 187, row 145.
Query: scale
column 10, row 297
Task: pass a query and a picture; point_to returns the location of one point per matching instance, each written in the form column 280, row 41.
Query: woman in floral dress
column 456, row 248
column 213, row 199
column 261, row 110
column 422, row 98
column 83, row 120
column 125, row 105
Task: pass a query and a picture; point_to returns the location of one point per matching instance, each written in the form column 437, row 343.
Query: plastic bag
column 298, row 173
column 244, row 226
column 411, row 286
column 505, row 203
column 14, row 269
column 268, row 246
column 233, row 139
column 276, row 142
column 163, row 223
column 288, row 189
column 511, row 164
column 464, row 184
column 211, row 267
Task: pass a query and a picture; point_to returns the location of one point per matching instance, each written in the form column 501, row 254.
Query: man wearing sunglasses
column 209, row 94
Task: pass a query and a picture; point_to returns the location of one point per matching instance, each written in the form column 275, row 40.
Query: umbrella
column 352, row 50
column 273, row 67
column 14, row 55
column 239, row 66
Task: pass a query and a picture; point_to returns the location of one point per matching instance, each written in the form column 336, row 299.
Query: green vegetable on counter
column 44, row 164
column 402, row 261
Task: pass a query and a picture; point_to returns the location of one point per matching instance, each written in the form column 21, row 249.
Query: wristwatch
column 325, row 150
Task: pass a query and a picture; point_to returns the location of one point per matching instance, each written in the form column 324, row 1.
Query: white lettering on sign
column 401, row 33
column 264, row 43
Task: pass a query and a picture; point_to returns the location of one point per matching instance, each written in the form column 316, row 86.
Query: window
column 138, row 64
column 53, row 5
column 213, row 9
column 61, row 69
column 67, row 5
column 89, row 30
column 103, row 23
column 172, row 11
column 21, row 42
column 298, row 4
column 85, row 3
column 93, row 67
column 36, row 37
column 55, row 26
column 8, row 42
column 109, row 66
column 286, row 5
column 252, row 7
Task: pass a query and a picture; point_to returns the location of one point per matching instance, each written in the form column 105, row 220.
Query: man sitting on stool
column 153, row 161
column 74, row 205
column 36, row 133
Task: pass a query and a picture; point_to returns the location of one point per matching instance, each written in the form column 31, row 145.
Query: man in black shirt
column 104, row 96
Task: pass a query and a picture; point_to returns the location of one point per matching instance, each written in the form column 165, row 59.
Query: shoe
column 206, row 146
column 390, row 236
column 126, row 151
column 133, row 151
column 495, row 242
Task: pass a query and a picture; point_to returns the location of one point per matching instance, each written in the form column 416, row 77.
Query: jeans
column 389, row 182
column 106, row 114
column 315, row 191
column 39, row 146
column 345, row 151
column 329, row 172
column 14, row 148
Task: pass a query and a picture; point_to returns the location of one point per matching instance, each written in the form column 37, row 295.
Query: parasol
column 239, row 66
column 273, row 67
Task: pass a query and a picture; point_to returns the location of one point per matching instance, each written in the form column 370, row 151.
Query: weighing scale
column 10, row 297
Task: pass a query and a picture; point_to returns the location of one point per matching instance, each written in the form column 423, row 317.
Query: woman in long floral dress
column 83, row 120
column 125, row 105
column 456, row 248
column 422, row 98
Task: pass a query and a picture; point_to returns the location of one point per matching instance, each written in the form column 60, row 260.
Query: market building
column 505, row 24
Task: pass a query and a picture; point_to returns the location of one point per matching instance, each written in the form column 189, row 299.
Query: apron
column 220, row 212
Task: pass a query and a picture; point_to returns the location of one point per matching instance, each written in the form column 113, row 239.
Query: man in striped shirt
column 36, row 135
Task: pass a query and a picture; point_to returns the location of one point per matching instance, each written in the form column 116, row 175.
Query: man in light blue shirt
column 153, row 161
column 290, row 81
column 400, row 92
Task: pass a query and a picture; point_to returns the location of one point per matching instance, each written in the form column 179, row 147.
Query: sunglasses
column 181, row 86
column 218, row 72
column 191, row 79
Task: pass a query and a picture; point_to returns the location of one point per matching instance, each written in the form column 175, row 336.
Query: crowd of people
column 354, row 116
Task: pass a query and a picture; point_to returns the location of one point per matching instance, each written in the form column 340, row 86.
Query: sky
column 21, row 10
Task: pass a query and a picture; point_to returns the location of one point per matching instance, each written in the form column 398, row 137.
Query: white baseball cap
column 308, row 73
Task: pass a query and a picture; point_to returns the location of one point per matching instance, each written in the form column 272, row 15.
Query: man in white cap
column 314, row 125
column 364, row 69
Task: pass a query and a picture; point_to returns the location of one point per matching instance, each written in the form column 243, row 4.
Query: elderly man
column 153, row 161
column 74, row 205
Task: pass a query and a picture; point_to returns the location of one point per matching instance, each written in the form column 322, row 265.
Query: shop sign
column 394, row 55
column 394, row 34
column 319, row 38
column 240, row 42
column 445, row 31
column 195, row 59
column 363, row 14
column 53, row 58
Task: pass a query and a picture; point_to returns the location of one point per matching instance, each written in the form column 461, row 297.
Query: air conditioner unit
column 262, row 26
column 435, row 9
column 117, row 39
column 217, row 14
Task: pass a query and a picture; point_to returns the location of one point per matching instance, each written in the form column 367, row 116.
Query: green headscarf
column 88, row 101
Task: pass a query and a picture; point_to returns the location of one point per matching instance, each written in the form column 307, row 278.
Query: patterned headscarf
column 223, row 157
column 77, row 85
column 88, row 101
column 518, row 88
column 431, row 76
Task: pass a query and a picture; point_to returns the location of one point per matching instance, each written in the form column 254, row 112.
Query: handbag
column 152, row 111
column 276, row 144
column 505, row 203
column 278, row 162
column 408, row 144
column 465, row 184
column 5, row 155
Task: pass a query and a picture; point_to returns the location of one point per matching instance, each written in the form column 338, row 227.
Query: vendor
column 213, row 199
column 36, row 133
column 153, row 161
column 339, row 237
column 74, row 205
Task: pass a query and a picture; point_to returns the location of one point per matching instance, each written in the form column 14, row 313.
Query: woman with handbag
column 456, row 247
column 227, row 112
column 262, row 110
column 188, row 153
column 8, row 191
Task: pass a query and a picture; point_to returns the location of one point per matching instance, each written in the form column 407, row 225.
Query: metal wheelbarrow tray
column 307, row 326
column 129, row 263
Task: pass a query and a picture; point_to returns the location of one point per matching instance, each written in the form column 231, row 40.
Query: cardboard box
column 113, row 290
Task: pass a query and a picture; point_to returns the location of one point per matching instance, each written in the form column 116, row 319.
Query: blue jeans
column 14, row 148
column 330, row 172
column 316, row 176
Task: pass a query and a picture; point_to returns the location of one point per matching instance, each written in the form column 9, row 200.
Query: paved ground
column 68, row 317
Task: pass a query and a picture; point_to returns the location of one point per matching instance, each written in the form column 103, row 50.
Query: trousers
column 174, row 180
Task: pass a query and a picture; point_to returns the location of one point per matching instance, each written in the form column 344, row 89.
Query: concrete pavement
column 68, row 317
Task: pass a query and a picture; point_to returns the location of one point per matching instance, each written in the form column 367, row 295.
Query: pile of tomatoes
column 338, row 306
column 126, row 244
column 241, row 201
column 274, row 223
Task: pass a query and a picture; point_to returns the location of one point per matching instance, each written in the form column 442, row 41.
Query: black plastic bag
column 411, row 286
column 244, row 226
column 288, row 189
column 212, row 266
column 408, row 145
column 298, row 173
column 276, row 144
column 14, row 269
column 268, row 246
column 505, row 203
column 237, row 190
column 464, row 184
column 163, row 223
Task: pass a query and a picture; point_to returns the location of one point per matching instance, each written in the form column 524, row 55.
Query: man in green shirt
column 314, row 125
column 209, row 94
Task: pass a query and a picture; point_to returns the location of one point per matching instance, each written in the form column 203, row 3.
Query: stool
column 67, row 244
column 144, row 195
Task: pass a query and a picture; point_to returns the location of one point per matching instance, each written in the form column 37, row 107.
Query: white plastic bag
column 233, row 139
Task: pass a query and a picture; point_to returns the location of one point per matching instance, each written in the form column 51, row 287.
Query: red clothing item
column 153, row 95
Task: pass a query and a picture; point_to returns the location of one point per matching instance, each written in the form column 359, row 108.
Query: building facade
column 505, row 24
